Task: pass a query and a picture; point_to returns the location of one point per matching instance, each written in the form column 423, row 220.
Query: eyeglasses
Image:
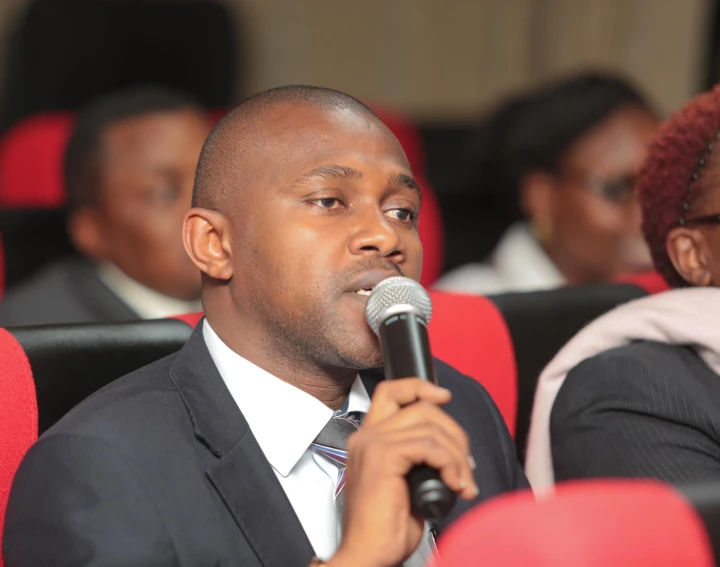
column 701, row 220
column 619, row 190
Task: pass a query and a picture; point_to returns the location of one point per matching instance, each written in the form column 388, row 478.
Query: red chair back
column 469, row 333
column 31, row 162
column 18, row 415
column 592, row 524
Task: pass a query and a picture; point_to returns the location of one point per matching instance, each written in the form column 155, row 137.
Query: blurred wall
column 445, row 59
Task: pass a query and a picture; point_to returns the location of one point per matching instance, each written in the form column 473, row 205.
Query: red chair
column 18, row 415
column 31, row 162
column 469, row 333
column 652, row 282
column 593, row 524
column 2, row 269
column 47, row 370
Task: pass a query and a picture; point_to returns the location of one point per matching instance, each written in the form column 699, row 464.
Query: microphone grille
column 397, row 290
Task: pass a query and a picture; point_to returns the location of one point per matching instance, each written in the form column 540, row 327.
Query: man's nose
column 376, row 235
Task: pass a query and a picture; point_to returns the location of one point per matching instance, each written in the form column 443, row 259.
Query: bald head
column 230, row 147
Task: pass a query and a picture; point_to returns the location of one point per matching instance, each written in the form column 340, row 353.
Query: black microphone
column 399, row 310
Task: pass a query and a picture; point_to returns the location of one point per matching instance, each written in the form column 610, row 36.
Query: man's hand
column 404, row 427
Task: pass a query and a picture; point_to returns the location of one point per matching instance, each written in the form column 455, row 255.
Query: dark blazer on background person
column 647, row 410
column 67, row 291
column 160, row 468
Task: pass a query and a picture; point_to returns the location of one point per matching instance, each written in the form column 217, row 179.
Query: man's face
column 148, row 167
column 333, row 212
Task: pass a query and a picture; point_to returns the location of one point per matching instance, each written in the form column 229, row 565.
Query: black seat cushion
column 540, row 324
column 70, row 362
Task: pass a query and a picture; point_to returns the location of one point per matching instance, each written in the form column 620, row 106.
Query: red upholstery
column 2, row 269
column 652, row 282
column 18, row 414
column 592, row 524
column 31, row 161
column 431, row 230
column 469, row 333
column 191, row 319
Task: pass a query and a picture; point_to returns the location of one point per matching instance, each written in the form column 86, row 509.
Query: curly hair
column 673, row 158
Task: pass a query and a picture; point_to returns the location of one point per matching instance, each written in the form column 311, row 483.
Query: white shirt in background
column 146, row 302
column 518, row 264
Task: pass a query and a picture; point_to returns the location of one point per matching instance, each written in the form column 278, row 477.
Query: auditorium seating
column 469, row 333
column 31, row 238
column 47, row 370
column 31, row 162
column 591, row 524
column 541, row 322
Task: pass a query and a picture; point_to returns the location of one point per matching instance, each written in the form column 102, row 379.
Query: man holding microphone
column 269, row 439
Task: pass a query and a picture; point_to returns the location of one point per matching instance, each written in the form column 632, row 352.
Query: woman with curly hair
column 637, row 392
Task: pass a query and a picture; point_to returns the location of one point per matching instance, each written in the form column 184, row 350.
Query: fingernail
column 463, row 484
column 471, row 462
column 476, row 490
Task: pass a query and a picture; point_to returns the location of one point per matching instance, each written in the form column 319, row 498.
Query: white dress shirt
column 285, row 421
column 518, row 264
column 146, row 302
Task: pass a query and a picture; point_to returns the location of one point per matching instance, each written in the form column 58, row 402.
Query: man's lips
column 365, row 283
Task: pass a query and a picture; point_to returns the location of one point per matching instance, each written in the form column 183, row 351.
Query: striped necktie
column 332, row 443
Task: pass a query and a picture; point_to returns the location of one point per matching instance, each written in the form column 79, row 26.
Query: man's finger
column 392, row 395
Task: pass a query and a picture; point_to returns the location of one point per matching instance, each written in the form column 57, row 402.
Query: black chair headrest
column 70, row 362
column 542, row 322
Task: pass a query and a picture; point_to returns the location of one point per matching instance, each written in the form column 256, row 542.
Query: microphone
column 398, row 311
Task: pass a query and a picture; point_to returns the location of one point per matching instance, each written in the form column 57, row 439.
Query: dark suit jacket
column 68, row 291
column 644, row 410
column 160, row 468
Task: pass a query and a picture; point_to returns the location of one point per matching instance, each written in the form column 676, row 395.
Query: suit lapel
column 242, row 475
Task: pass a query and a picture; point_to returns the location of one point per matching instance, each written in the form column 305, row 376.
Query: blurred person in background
column 129, row 171
column 637, row 392
column 570, row 152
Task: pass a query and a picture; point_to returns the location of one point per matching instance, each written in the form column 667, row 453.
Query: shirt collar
column 284, row 419
column 146, row 302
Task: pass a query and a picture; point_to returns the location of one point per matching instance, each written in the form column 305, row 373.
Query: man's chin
column 362, row 357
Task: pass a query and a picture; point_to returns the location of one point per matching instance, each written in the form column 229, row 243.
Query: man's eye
column 405, row 215
column 165, row 193
column 328, row 203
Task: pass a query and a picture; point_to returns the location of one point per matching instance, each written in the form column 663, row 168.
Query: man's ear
column 206, row 235
column 689, row 253
column 85, row 230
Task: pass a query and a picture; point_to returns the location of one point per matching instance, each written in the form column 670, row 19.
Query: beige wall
column 445, row 59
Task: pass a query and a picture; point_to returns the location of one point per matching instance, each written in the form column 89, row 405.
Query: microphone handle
column 406, row 350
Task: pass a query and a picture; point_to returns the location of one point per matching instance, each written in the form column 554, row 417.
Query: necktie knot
column 331, row 442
